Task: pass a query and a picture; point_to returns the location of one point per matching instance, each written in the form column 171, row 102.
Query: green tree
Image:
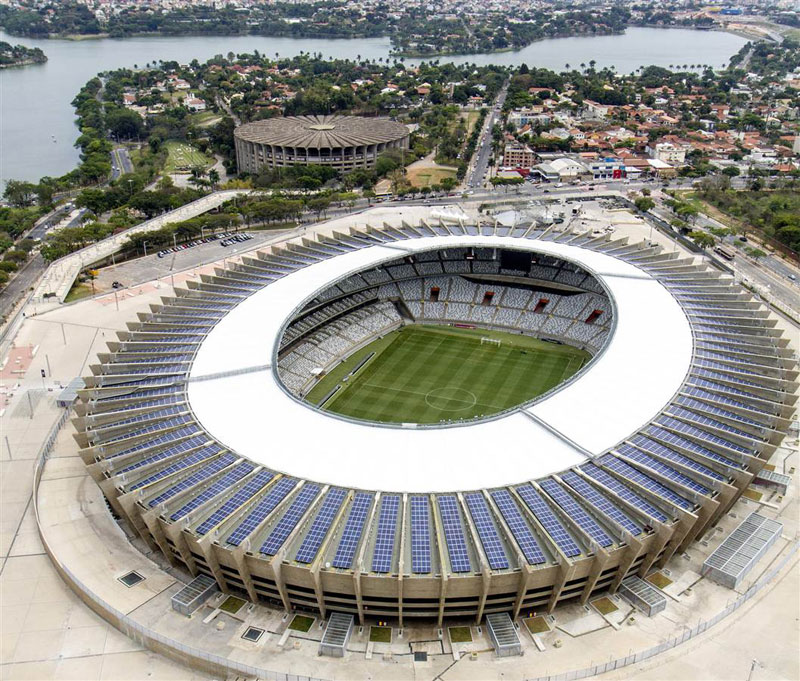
column 702, row 239
column 19, row 193
column 644, row 203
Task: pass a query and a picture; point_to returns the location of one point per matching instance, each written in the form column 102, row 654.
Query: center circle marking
column 449, row 395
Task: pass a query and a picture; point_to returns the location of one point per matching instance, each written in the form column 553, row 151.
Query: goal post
column 491, row 341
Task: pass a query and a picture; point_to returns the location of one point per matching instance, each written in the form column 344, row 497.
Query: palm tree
column 213, row 177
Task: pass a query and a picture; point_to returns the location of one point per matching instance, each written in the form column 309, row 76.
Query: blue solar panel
column 384, row 539
column 600, row 502
column 623, row 491
column 353, row 529
column 730, row 390
column 492, row 546
column 648, row 445
column 194, row 458
column 685, row 428
column 660, row 467
column 239, row 499
column 420, row 535
column 289, row 520
column 519, row 528
column 645, row 481
column 673, row 439
column 717, row 411
column 160, row 440
column 567, row 502
column 261, row 510
column 548, row 519
column 155, row 427
column 453, row 534
column 195, row 478
column 140, row 418
column 319, row 528
column 217, row 487
column 179, row 448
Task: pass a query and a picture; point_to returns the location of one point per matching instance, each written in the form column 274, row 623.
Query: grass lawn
column 659, row 580
column 301, row 623
column 425, row 177
column 206, row 118
column 184, row 157
column 232, row 605
column 380, row 634
column 78, row 292
column 460, row 635
column 605, row 606
column 472, row 118
column 429, row 374
column 536, row 625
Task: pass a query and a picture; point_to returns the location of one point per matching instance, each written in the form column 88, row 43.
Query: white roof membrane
column 624, row 387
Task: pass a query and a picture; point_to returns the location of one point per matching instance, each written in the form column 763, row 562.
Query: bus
column 725, row 251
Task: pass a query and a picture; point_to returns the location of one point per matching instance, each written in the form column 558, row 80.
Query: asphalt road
column 121, row 163
column 483, row 152
column 23, row 280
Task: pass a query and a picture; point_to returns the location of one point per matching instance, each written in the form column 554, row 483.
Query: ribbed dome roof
column 321, row 132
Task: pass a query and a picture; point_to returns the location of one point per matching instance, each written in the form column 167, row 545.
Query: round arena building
column 437, row 420
column 341, row 142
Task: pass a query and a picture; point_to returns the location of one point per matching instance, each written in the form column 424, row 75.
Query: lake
column 37, row 123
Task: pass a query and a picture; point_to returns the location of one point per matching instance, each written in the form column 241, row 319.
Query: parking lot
column 177, row 258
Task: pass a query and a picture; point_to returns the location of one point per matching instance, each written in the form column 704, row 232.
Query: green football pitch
column 430, row 374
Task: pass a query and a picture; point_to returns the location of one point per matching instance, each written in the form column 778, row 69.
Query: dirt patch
column 537, row 625
column 605, row 606
column 659, row 580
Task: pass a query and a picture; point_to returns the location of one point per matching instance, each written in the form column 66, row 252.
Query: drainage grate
column 131, row 579
column 252, row 634
column 420, row 657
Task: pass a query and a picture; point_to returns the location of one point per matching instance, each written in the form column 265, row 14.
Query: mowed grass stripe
column 427, row 375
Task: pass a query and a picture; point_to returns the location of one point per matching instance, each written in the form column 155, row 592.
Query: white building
column 669, row 153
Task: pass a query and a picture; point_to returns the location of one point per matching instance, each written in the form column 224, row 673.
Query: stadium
column 340, row 142
column 439, row 420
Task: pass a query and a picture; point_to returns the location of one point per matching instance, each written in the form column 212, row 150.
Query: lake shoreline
column 405, row 54
column 35, row 105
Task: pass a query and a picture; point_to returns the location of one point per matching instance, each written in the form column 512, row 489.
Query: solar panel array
column 238, row 499
column 519, row 528
column 187, row 462
column 453, row 533
column 217, row 487
column 420, row 535
column 547, row 518
column 322, row 523
column 623, row 491
column 290, row 518
column 261, row 510
column 660, row 467
column 717, row 411
column 195, row 478
column 710, row 438
column 567, row 502
column 384, row 538
column 645, row 481
column 594, row 498
column 179, row 448
column 487, row 532
column 653, row 447
column 353, row 529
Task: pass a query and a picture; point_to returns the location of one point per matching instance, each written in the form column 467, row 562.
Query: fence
column 671, row 643
column 223, row 665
